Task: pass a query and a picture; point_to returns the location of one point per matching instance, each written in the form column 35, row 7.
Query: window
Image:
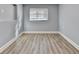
column 38, row 14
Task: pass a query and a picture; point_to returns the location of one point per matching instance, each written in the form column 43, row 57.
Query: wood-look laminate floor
column 41, row 43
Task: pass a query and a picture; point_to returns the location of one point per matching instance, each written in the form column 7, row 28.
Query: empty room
column 39, row 28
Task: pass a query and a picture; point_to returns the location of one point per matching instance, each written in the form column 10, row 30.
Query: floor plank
column 41, row 43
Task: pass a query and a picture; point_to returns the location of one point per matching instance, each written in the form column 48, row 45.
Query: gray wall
column 50, row 25
column 6, row 12
column 7, row 30
column 69, row 21
column 7, row 23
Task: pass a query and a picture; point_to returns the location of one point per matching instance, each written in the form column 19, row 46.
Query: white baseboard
column 41, row 32
column 69, row 40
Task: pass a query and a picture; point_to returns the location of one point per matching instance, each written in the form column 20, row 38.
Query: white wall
column 69, row 21
column 50, row 25
column 7, row 23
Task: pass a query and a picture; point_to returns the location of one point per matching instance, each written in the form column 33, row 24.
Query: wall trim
column 14, row 39
column 69, row 40
column 41, row 32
